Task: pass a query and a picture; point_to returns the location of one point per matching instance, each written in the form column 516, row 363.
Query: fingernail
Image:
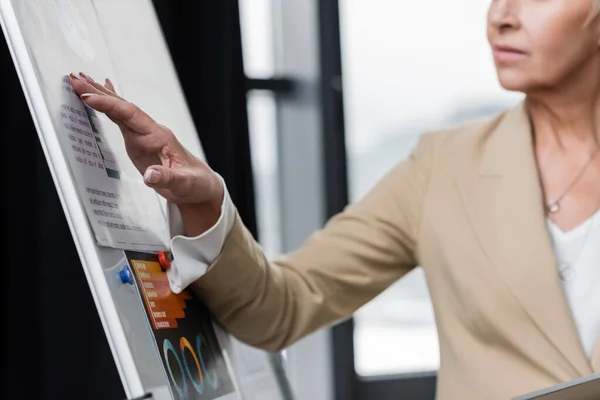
column 87, row 78
column 73, row 76
column 86, row 96
column 109, row 85
column 151, row 176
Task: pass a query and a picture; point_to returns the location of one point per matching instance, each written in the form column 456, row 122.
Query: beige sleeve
column 357, row 255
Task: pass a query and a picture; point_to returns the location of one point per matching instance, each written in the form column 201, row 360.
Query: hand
column 165, row 164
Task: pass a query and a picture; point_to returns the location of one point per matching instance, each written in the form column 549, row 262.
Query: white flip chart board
column 163, row 345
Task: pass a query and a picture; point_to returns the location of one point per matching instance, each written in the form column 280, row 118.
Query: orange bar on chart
column 164, row 306
column 171, row 309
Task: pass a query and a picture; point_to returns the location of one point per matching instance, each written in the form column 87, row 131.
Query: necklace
column 554, row 207
column 566, row 269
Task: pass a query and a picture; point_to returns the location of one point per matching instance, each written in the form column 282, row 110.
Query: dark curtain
column 205, row 43
column 53, row 345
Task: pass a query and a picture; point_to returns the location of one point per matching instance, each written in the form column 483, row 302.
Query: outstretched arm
column 360, row 252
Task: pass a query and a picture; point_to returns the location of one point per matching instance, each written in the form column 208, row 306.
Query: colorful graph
column 164, row 306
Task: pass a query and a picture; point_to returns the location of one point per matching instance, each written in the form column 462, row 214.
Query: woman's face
column 538, row 44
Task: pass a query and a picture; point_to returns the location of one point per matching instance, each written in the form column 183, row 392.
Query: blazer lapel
column 596, row 357
column 504, row 201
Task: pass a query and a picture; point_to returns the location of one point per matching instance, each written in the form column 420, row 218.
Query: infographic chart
column 184, row 334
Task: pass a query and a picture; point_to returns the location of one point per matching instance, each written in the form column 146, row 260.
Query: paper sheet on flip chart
column 64, row 36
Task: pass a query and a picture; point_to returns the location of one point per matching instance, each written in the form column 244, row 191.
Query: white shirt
column 193, row 256
column 580, row 247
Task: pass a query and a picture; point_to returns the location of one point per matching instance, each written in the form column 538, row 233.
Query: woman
column 496, row 212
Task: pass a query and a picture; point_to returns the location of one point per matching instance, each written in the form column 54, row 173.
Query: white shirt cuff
column 193, row 255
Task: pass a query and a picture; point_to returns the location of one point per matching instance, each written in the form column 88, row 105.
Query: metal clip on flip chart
column 164, row 259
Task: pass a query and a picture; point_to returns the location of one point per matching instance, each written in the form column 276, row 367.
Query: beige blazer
column 468, row 207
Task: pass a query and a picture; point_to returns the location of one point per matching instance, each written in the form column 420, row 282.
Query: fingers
column 105, row 100
column 99, row 87
column 122, row 112
column 109, row 85
column 82, row 86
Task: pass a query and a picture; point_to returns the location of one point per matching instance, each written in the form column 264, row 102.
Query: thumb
column 159, row 177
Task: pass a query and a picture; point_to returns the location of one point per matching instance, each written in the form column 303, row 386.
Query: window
column 257, row 39
column 409, row 67
column 263, row 143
